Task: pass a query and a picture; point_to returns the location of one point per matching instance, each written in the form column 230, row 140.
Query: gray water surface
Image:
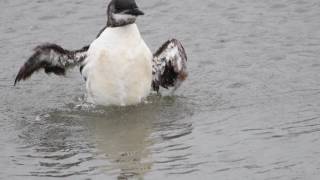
column 250, row 108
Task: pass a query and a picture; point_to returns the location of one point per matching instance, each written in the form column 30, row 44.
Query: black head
column 122, row 12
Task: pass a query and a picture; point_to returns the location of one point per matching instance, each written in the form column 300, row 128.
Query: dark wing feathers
column 169, row 67
column 53, row 59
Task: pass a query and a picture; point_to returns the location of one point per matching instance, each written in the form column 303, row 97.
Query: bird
column 118, row 67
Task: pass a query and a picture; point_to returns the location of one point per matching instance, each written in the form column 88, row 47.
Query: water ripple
column 250, row 107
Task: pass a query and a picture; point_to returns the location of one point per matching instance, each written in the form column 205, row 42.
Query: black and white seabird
column 118, row 67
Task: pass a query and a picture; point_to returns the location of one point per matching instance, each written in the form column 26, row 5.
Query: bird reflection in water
column 114, row 141
column 122, row 135
column 126, row 136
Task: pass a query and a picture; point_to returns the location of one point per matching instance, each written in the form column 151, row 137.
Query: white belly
column 118, row 69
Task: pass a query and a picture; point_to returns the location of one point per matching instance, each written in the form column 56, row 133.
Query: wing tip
column 17, row 79
column 19, row 76
column 15, row 82
column 22, row 75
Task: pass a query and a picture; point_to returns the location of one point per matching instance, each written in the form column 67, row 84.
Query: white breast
column 118, row 67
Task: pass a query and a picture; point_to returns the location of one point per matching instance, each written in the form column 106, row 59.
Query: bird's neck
column 121, row 35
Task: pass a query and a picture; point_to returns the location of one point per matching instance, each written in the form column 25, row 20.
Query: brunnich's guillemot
column 118, row 67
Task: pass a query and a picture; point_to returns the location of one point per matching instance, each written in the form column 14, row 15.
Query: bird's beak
column 134, row 12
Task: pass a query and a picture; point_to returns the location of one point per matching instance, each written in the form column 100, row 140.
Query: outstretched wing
column 169, row 67
column 53, row 59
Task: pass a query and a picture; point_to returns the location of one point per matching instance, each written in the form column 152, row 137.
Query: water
column 249, row 110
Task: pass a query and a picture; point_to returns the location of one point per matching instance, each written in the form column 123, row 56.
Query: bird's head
column 122, row 12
